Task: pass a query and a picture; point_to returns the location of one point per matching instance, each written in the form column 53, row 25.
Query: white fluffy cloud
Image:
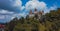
column 23, row 14
column 35, row 4
column 5, row 15
column 47, row 10
column 23, row 7
column 53, row 7
column 5, row 12
column 17, row 3
column 40, row 5
column 12, row 18
column 2, row 17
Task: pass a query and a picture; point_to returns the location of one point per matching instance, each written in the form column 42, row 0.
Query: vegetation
column 49, row 22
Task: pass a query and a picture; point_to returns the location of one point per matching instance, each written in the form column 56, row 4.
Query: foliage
column 49, row 22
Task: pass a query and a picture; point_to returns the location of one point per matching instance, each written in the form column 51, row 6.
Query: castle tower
column 40, row 14
column 30, row 12
column 35, row 11
column 35, row 14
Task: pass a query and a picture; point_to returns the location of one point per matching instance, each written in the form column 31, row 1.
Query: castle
column 36, row 14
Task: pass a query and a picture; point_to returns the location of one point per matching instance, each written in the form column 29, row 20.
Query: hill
column 48, row 22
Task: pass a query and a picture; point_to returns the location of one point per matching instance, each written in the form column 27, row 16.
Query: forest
column 48, row 22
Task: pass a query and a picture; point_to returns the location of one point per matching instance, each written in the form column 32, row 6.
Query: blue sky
column 10, row 9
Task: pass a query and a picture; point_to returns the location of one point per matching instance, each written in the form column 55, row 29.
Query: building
column 31, row 14
column 36, row 14
column 40, row 14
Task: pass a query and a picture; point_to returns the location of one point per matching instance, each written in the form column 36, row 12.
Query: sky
column 9, row 9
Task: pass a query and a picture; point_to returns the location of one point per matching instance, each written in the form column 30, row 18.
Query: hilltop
column 48, row 22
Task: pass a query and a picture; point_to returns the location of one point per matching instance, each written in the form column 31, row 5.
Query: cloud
column 23, row 14
column 5, row 18
column 53, row 7
column 6, row 12
column 11, row 5
column 12, row 18
column 8, row 8
column 47, row 10
column 2, row 17
column 17, row 3
column 35, row 4
column 39, row 5
column 23, row 7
